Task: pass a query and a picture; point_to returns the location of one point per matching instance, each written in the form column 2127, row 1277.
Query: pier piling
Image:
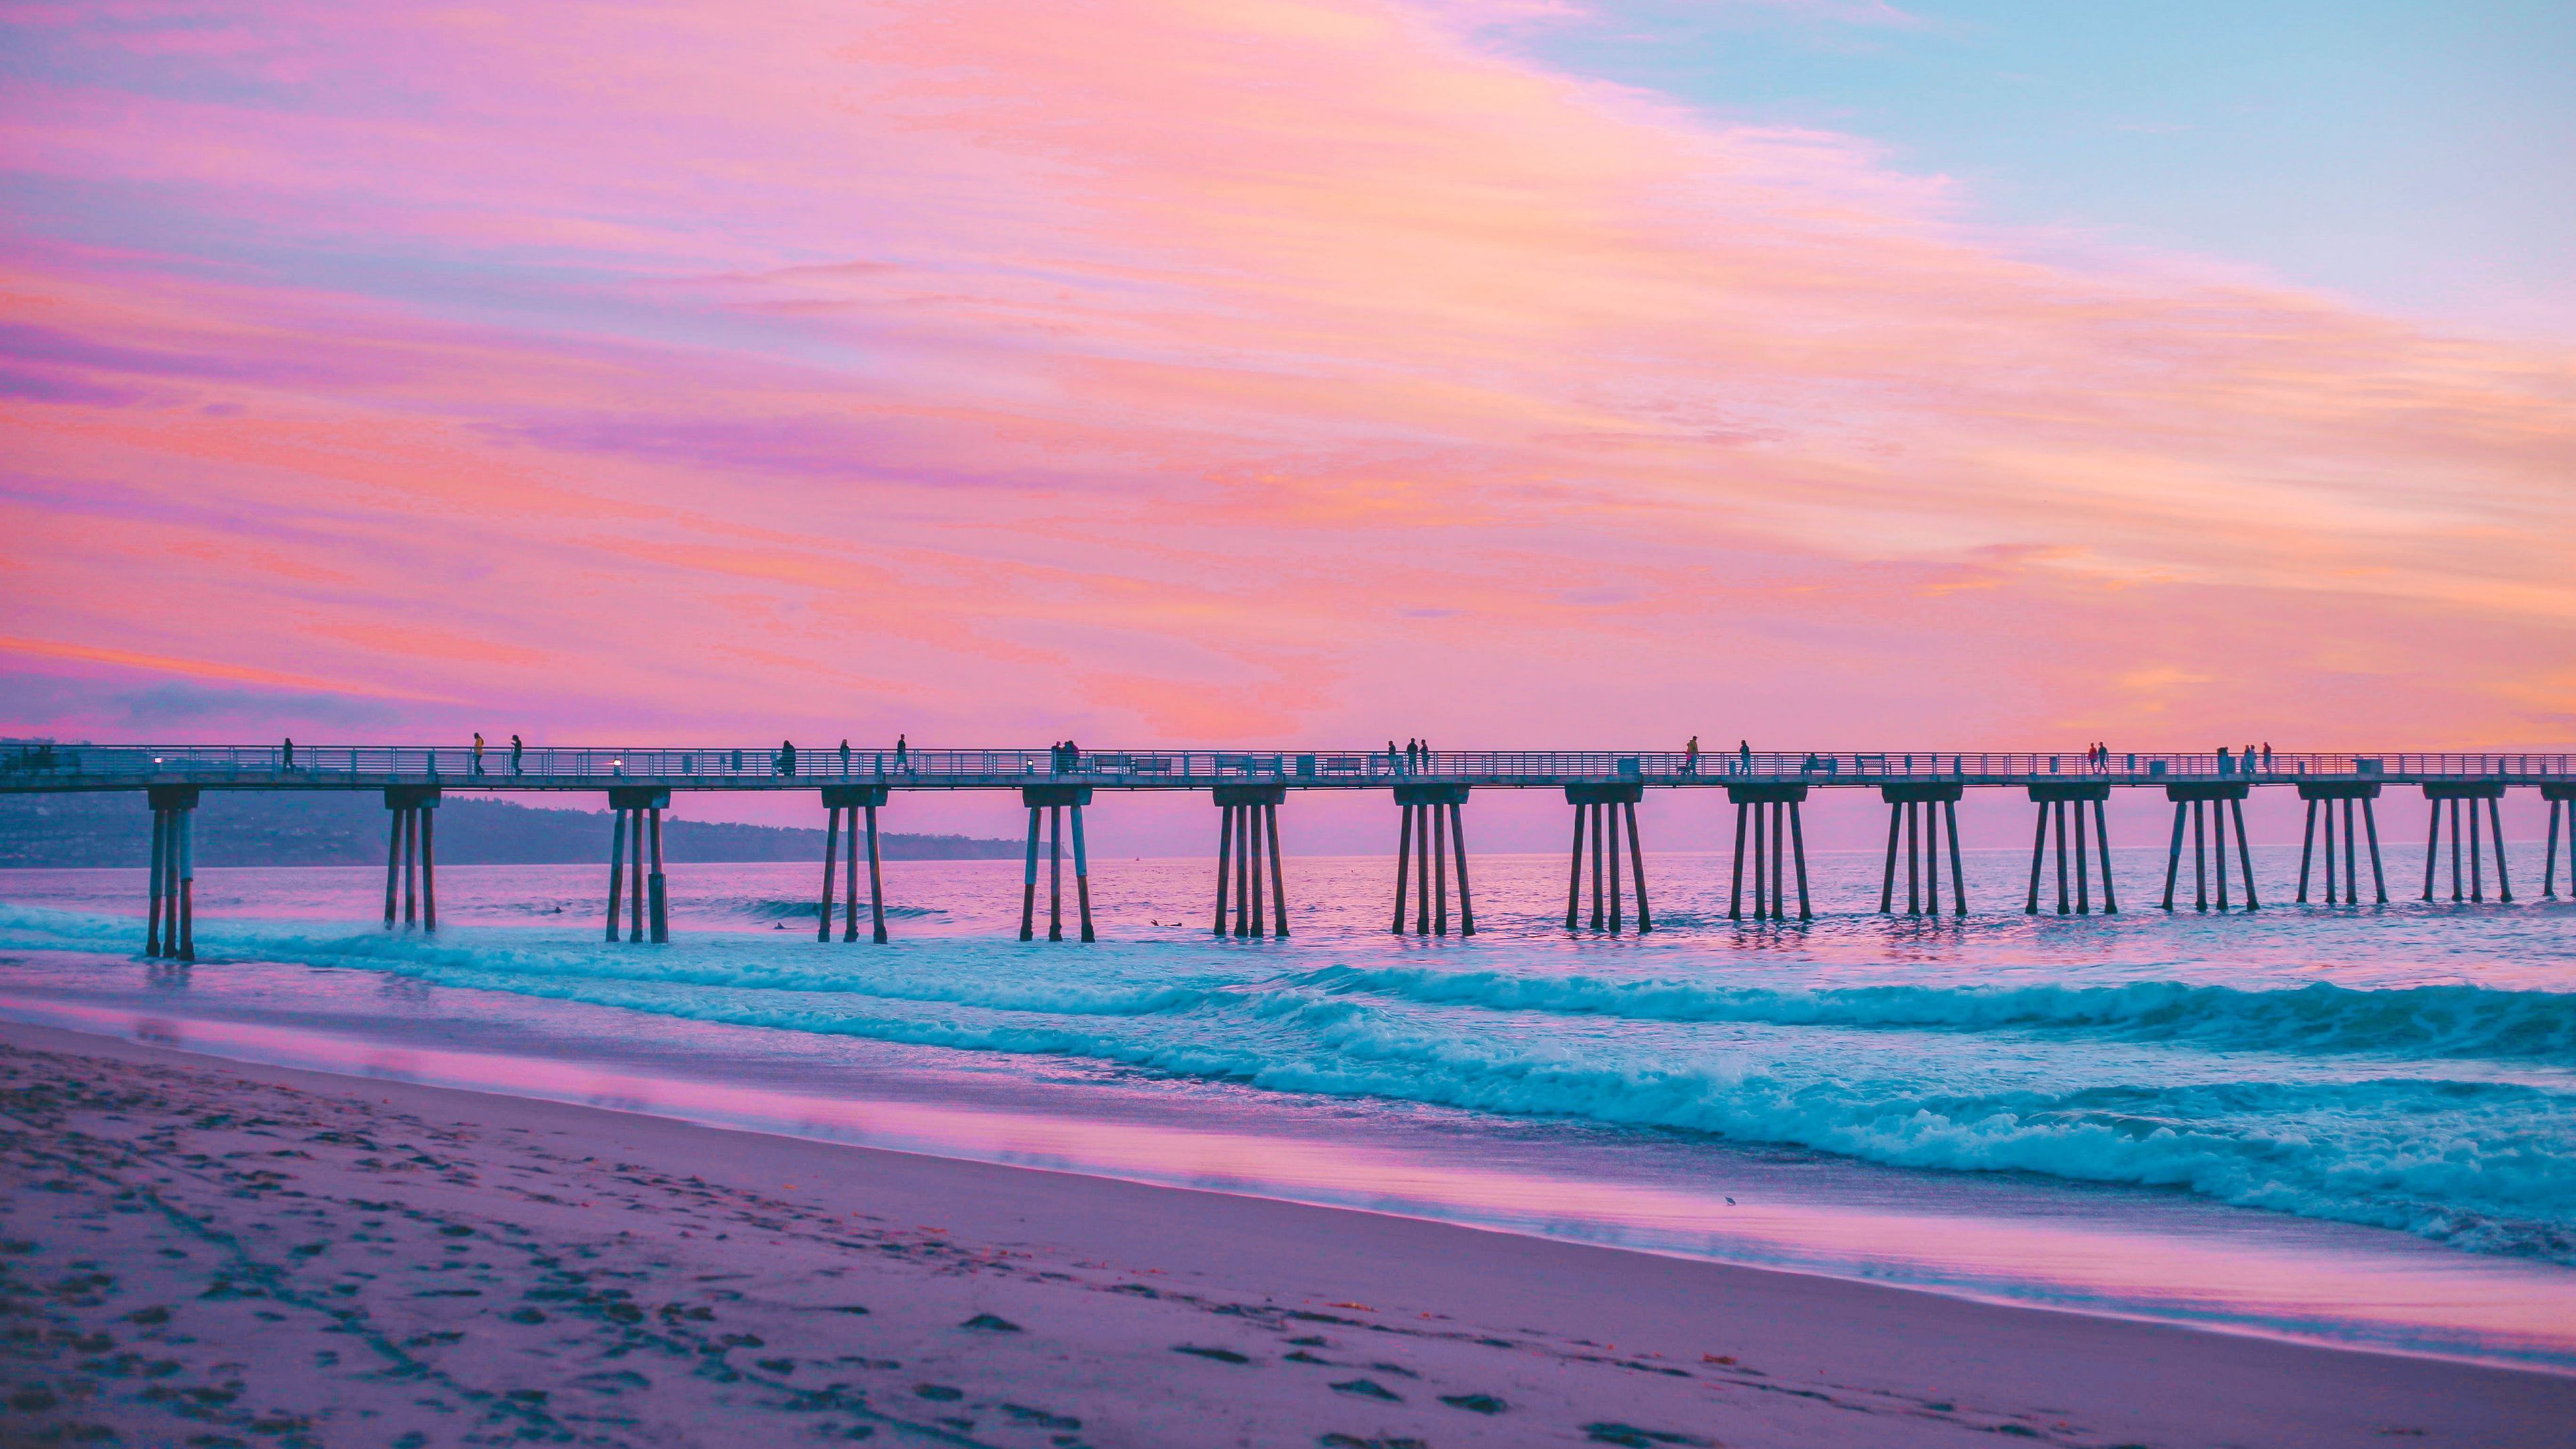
column 1249, row 830
column 2469, row 794
column 2209, row 806
column 170, row 925
column 411, row 854
column 2053, row 802
column 635, row 852
column 1769, row 809
column 2360, row 802
column 2561, row 803
column 850, row 812
column 1598, row 807
column 1916, row 812
column 1052, row 801
column 1430, row 817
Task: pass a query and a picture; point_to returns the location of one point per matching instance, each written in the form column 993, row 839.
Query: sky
column 1826, row 373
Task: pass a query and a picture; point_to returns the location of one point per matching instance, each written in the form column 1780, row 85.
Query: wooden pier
column 1922, row 789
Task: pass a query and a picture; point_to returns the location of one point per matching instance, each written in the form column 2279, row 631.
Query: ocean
column 2352, row 1125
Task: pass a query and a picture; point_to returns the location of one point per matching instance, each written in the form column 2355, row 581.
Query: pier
column 1923, row 791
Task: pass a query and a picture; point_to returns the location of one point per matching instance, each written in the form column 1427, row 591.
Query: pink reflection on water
column 2409, row 1296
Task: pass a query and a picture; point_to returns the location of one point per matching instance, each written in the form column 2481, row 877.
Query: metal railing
column 47, row 765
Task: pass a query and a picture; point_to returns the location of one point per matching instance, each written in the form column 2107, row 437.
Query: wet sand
column 209, row 1252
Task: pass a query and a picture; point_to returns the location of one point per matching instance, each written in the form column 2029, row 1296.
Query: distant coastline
column 348, row 828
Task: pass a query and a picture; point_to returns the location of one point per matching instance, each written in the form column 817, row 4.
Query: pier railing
column 46, row 765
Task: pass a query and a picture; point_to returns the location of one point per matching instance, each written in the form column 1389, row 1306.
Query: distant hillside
column 334, row 827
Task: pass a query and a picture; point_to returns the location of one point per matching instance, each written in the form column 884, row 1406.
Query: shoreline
column 1593, row 1335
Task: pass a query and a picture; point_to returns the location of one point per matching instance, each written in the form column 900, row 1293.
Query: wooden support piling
column 616, row 865
column 1761, row 877
column 1958, row 876
column 160, row 875
column 2102, row 838
column 2173, row 856
column 2370, row 823
column 1798, row 839
column 635, row 901
column 1598, row 904
column 1423, row 875
column 1466, row 902
column 1055, row 872
column 429, row 865
column 1574, row 873
column 2200, row 855
column 1735, row 895
column 2455, row 849
column 1081, row 874
column 2083, row 866
column 2245, row 853
column 2308, row 847
column 1913, row 888
column 2432, row 845
column 1225, row 864
column 185, row 818
column 2038, row 852
column 1403, row 864
column 2058, row 812
column 1243, row 871
column 2218, row 838
column 876, row 882
column 411, row 867
column 1637, row 865
column 1779, row 859
column 2558, row 809
column 1253, row 859
column 2495, row 821
column 1610, row 817
column 1279, row 878
column 2477, row 858
column 1439, row 871
column 1029, row 882
column 1887, row 878
column 393, row 861
column 2353, row 872
column 849, row 879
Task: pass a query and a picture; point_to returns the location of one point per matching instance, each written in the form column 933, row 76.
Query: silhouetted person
column 845, row 757
column 1744, row 752
column 290, row 752
column 787, row 757
column 902, row 755
column 478, row 752
column 1690, row 756
column 516, row 750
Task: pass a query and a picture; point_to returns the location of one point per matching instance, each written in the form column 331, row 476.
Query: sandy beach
column 203, row 1252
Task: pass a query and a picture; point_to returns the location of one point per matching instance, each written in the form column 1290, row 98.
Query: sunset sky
column 1824, row 372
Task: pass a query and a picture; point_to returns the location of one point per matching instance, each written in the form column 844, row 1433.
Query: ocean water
column 2348, row 1124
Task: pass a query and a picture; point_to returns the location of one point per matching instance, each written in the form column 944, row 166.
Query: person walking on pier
column 290, row 752
column 1690, row 756
column 1394, row 760
column 516, row 750
column 1744, row 753
column 902, row 755
column 478, row 752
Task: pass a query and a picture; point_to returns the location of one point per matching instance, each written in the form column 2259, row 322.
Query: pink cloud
column 1297, row 368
